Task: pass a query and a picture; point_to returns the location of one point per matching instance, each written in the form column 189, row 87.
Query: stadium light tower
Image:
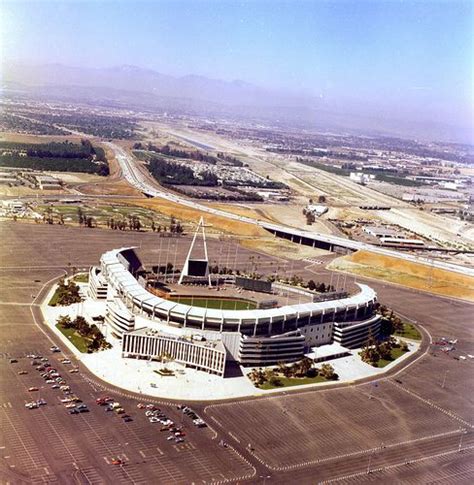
column 194, row 266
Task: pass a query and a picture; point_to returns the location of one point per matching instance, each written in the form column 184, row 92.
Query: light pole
column 463, row 432
column 369, row 462
column 265, row 478
column 444, row 379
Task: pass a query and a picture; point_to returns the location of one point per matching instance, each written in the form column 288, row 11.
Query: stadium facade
column 251, row 337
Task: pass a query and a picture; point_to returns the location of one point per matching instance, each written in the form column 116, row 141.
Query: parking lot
column 349, row 430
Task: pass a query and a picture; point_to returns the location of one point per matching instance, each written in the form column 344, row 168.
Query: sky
column 406, row 58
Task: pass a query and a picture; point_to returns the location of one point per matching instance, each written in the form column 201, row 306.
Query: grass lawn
column 409, row 331
column 294, row 381
column 81, row 278
column 75, row 338
column 396, row 353
column 217, row 303
column 54, row 298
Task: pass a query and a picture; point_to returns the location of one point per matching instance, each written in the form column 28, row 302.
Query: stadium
column 154, row 317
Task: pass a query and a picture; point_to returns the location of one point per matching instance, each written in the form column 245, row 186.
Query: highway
column 135, row 177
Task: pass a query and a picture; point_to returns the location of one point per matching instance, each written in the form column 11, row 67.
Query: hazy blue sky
column 401, row 56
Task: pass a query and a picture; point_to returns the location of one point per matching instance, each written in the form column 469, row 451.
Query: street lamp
column 369, row 462
column 444, row 379
column 463, row 432
column 265, row 478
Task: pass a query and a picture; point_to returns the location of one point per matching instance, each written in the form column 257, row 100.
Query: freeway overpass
column 137, row 178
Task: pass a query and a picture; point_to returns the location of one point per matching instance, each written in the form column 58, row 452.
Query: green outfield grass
column 217, row 303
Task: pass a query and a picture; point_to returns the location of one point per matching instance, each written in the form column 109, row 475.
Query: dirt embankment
column 185, row 213
column 406, row 273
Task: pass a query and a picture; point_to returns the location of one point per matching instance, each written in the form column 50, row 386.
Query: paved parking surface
column 416, row 420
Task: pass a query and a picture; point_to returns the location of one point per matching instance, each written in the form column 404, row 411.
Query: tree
column 257, row 376
column 275, row 381
column 310, row 218
column 327, row 371
column 385, row 350
column 64, row 321
column 322, row 199
column 311, row 285
column 80, row 216
column 313, row 372
column 304, row 365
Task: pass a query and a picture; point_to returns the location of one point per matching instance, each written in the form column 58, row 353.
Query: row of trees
column 103, row 126
column 391, row 323
column 304, row 368
column 61, row 157
column 175, row 152
column 375, row 350
column 54, row 164
column 89, row 332
column 85, row 220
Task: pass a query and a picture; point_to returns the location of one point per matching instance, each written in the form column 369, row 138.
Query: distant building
column 316, row 210
column 381, row 232
column 361, row 178
column 13, row 206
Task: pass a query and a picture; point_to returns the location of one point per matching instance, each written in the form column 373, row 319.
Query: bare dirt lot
column 406, row 273
column 188, row 214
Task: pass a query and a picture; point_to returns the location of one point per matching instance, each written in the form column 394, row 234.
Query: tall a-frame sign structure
column 194, row 266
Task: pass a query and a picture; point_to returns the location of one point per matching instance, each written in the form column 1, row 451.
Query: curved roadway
column 137, row 179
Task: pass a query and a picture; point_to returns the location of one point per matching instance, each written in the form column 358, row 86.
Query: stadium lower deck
column 413, row 426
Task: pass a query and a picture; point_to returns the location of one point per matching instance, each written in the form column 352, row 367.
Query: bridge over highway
column 138, row 179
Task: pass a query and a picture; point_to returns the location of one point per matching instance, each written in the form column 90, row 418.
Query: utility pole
column 369, row 462
column 444, row 379
column 463, row 432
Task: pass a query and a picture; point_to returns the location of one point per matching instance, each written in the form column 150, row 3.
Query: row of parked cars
column 51, row 376
column 197, row 421
column 114, row 406
column 156, row 415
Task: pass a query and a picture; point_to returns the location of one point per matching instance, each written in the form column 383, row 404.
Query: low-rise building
column 147, row 343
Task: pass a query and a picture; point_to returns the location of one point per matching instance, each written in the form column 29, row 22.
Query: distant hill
column 136, row 79
column 135, row 87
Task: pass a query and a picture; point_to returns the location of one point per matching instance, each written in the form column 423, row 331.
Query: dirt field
column 184, row 213
column 277, row 246
column 405, row 273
